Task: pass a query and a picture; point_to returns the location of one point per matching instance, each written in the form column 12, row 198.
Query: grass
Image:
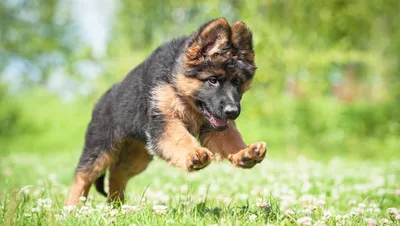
column 299, row 191
column 345, row 180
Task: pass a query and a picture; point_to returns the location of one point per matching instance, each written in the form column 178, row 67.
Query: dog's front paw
column 198, row 159
column 249, row 156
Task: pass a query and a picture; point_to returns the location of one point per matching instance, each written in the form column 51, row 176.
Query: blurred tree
column 37, row 34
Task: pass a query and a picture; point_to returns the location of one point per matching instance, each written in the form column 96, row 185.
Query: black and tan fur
column 188, row 87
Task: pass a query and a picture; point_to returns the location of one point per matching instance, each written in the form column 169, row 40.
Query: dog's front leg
column 230, row 145
column 177, row 146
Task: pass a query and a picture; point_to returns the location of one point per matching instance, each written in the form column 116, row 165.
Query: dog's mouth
column 215, row 122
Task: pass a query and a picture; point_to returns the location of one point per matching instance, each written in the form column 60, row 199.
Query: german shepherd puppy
column 189, row 87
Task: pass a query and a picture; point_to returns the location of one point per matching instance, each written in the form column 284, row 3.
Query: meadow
column 294, row 185
column 300, row 191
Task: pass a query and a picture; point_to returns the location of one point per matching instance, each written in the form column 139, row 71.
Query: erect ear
column 242, row 40
column 209, row 40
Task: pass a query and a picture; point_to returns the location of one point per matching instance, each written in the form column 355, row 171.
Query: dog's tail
column 100, row 185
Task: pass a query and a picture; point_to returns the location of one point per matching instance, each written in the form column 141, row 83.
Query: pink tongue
column 218, row 122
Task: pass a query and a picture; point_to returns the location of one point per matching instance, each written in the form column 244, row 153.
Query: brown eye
column 236, row 82
column 212, row 80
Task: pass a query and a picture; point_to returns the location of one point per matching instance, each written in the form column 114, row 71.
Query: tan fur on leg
column 133, row 159
column 230, row 145
column 85, row 176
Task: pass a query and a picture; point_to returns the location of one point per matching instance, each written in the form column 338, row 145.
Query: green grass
column 347, row 178
column 33, row 188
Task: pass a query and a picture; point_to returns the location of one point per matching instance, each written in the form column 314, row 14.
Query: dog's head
column 218, row 67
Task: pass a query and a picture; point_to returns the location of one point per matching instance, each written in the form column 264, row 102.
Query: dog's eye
column 212, row 80
column 237, row 82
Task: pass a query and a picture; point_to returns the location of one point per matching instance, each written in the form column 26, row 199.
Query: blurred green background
column 327, row 82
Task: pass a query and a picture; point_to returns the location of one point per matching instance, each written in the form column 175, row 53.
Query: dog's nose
column 231, row 111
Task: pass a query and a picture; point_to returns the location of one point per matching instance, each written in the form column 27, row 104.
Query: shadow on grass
column 269, row 211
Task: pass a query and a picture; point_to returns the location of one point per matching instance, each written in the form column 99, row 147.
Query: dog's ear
column 209, row 40
column 242, row 40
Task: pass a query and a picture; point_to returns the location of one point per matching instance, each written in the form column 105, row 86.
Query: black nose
column 231, row 111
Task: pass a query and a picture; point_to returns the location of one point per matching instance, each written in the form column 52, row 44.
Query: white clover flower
column 261, row 203
column 362, row 205
column 35, row 209
column 110, row 220
column 158, row 197
column 370, row 222
column 398, row 217
column 252, row 217
column 243, row 196
column 86, row 210
column 184, row 188
column 352, row 202
column 352, row 213
column 306, row 199
column 103, row 207
column 307, row 212
column 360, row 211
column 53, row 178
column 381, row 191
column 214, row 188
column 338, row 217
column 288, row 200
column 129, row 209
column 384, row 221
column 289, row 212
column 159, row 209
column 327, row 215
column 304, row 221
column 82, row 198
column 113, row 212
column 312, row 207
column 321, row 203
column 100, row 206
column 37, row 192
column 224, row 199
column 391, row 211
column 27, row 215
column 59, row 217
column 306, row 187
column 69, row 209
column 26, row 189
column 202, row 190
column 45, row 203
column 320, row 223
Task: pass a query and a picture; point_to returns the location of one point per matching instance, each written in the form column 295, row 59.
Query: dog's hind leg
column 89, row 169
column 133, row 159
